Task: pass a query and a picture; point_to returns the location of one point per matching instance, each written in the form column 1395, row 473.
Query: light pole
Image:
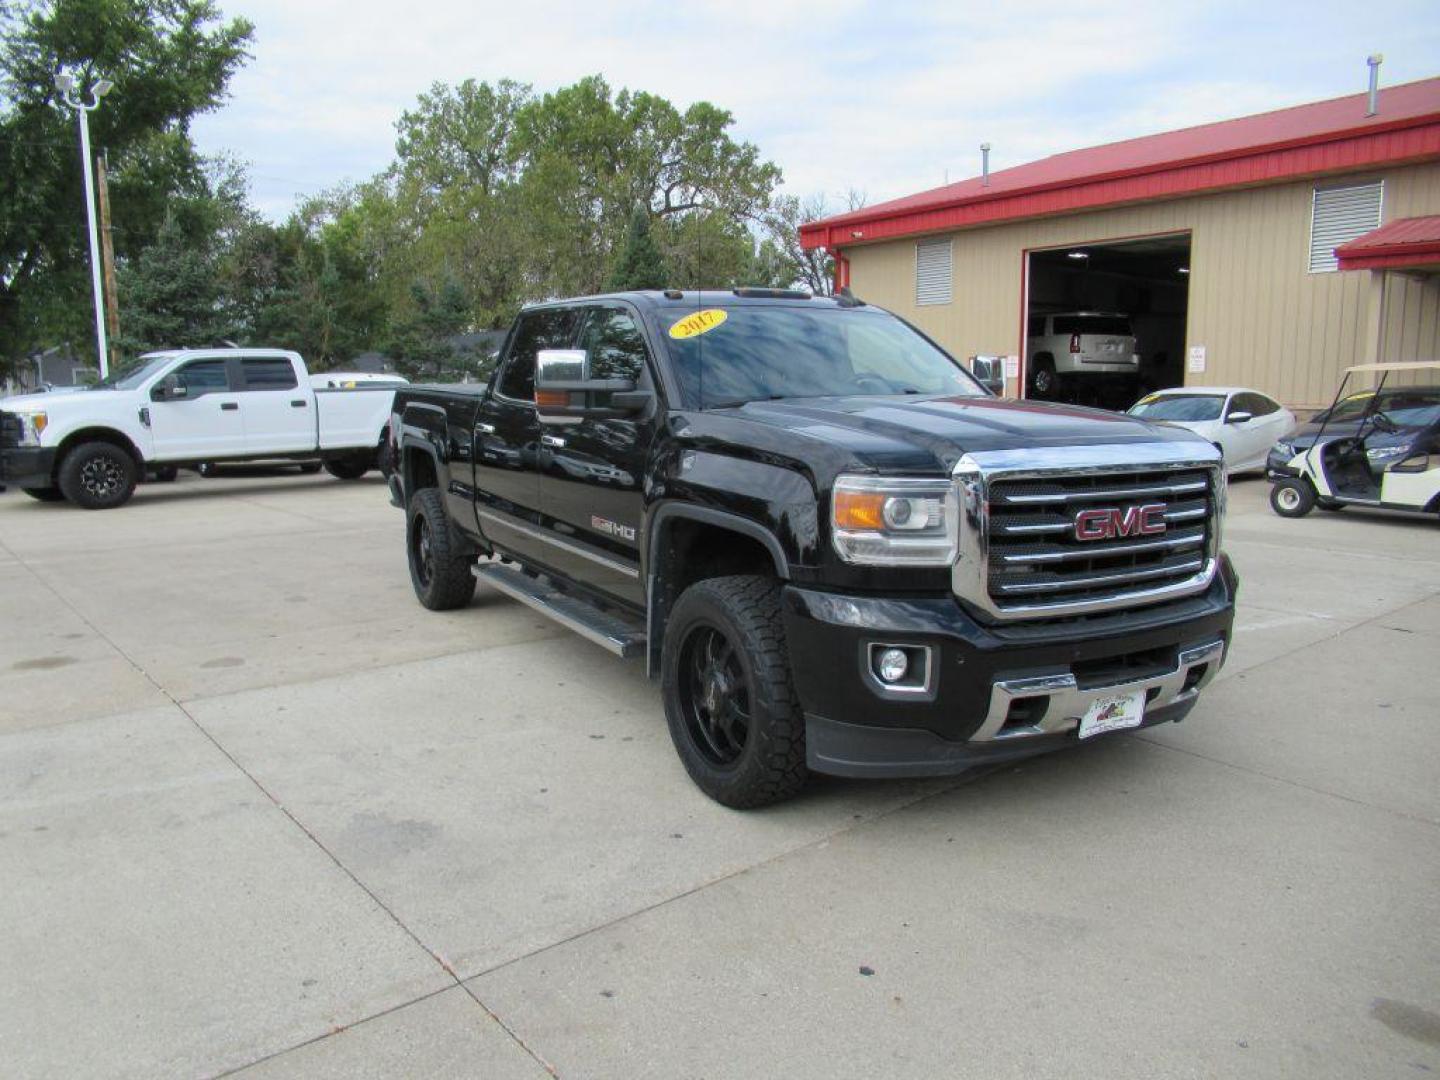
column 73, row 97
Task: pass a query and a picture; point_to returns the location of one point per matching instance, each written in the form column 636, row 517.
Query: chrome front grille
column 1153, row 514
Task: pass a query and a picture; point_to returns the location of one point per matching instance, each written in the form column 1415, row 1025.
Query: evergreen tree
column 640, row 266
column 170, row 295
column 423, row 344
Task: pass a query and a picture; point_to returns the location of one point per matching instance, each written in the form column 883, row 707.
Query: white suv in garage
column 1072, row 344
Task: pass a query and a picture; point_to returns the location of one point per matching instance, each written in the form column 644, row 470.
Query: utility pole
column 107, row 257
column 65, row 83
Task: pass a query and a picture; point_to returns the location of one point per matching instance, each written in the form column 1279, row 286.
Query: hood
column 49, row 401
column 929, row 433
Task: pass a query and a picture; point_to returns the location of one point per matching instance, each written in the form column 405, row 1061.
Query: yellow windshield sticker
column 701, row 322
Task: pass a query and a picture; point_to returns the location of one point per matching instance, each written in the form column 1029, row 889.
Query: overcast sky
column 886, row 98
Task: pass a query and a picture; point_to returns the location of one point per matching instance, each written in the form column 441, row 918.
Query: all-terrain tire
column 98, row 476
column 350, row 468
column 1292, row 498
column 439, row 558
column 768, row 764
column 46, row 494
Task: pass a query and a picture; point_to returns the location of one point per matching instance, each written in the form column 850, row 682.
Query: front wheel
column 1292, row 498
column 440, row 561
column 98, row 476
column 729, row 700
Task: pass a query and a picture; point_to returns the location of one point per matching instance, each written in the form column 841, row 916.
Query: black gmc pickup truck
column 837, row 551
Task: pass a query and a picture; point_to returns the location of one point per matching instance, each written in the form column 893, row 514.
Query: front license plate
column 1113, row 714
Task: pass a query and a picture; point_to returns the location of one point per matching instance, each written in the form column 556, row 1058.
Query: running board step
column 606, row 629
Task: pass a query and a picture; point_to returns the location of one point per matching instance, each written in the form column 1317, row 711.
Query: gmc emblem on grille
column 1112, row 523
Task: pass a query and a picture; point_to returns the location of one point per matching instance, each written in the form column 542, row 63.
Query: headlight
column 32, row 426
column 894, row 521
column 1386, row 453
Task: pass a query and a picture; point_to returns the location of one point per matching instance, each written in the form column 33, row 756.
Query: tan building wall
column 1265, row 321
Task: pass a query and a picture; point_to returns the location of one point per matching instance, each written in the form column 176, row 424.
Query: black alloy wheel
column 440, row 558
column 730, row 700
column 714, row 696
column 422, row 551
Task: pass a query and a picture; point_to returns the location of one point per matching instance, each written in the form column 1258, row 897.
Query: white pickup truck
column 185, row 407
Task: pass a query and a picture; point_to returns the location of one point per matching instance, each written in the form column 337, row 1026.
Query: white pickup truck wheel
column 98, row 476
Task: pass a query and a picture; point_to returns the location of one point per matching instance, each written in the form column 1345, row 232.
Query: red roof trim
column 1406, row 139
column 1404, row 242
column 1412, row 258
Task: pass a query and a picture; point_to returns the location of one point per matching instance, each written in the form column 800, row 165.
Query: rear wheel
column 98, row 476
column 439, row 558
column 1043, row 381
column 350, row 468
column 729, row 701
column 46, row 494
column 1292, row 498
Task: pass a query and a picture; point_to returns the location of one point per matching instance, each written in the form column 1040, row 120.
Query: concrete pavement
column 261, row 812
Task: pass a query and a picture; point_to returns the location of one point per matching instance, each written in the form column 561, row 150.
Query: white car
column 186, row 407
column 1243, row 424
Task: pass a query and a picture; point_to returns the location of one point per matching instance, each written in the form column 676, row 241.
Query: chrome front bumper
column 1065, row 703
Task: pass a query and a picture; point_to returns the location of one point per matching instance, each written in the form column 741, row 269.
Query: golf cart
column 1390, row 462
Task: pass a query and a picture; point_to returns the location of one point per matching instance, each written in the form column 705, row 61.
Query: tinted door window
column 615, row 344
column 550, row 328
column 203, row 377
column 269, row 373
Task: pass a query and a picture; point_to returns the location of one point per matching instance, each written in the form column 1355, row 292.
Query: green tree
column 640, row 265
column 171, row 296
column 423, row 342
column 170, row 60
column 588, row 156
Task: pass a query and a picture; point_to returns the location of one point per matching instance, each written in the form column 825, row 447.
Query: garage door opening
column 1105, row 323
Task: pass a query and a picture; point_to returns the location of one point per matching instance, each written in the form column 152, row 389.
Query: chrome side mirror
column 990, row 372
column 565, row 393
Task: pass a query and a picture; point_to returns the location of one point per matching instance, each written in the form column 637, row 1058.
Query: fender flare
column 419, row 446
column 722, row 519
column 655, row 617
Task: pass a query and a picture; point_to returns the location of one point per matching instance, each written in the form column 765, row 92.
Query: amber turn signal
column 859, row 509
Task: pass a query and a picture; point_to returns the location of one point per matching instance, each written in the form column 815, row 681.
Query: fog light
column 892, row 665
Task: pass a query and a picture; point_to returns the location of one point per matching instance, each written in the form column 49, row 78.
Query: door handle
column 552, row 440
column 229, row 406
column 297, row 404
column 485, row 429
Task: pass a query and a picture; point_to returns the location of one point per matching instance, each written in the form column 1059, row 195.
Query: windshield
column 1391, row 401
column 1183, row 407
column 764, row 353
column 131, row 373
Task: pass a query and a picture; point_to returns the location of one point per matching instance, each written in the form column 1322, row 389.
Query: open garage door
column 1105, row 322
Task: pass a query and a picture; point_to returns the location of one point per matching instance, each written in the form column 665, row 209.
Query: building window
column 933, row 272
column 1337, row 216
